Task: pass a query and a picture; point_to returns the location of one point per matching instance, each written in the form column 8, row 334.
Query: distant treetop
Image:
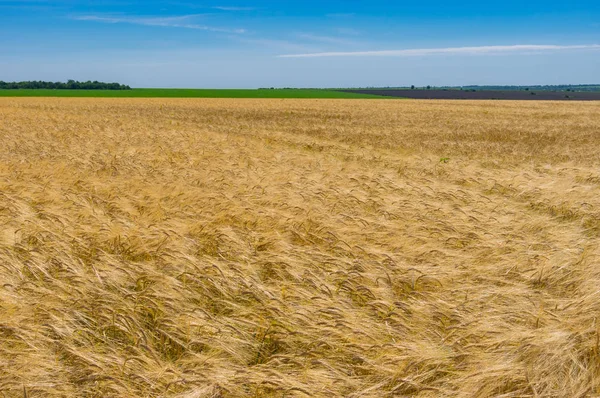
column 69, row 85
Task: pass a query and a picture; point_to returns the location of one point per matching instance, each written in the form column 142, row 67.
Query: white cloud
column 182, row 21
column 449, row 50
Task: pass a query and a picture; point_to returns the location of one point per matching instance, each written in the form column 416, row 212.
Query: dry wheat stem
column 228, row 248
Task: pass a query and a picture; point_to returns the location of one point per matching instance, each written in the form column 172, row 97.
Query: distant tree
column 412, row 87
column 428, row 87
column 69, row 85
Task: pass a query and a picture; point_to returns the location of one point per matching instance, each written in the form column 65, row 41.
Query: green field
column 185, row 93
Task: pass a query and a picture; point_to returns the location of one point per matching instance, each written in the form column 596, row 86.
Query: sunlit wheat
column 281, row 248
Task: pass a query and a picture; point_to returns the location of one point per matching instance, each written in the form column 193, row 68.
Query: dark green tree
column 69, row 85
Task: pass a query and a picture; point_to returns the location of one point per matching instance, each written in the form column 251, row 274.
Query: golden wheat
column 281, row 248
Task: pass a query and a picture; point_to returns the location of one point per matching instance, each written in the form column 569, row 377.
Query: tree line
column 69, row 85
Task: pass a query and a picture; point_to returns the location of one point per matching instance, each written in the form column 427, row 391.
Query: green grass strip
column 187, row 93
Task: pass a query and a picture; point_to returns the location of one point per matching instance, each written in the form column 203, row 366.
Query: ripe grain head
column 206, row 248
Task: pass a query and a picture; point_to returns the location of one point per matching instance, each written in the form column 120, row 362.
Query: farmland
column 428, row 94
column 485, row 94
column 269, row 248
column 187, row 93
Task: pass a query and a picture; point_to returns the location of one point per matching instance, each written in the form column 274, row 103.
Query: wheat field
column 294, row 248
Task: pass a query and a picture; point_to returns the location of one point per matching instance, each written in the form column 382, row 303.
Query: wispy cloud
column 348, row 31
column 228, row 8
column 481, row 50
column 275, row 44
column 326, row 39
column 181, row 21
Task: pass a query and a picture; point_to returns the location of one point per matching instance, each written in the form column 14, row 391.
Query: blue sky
column 264, row 43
